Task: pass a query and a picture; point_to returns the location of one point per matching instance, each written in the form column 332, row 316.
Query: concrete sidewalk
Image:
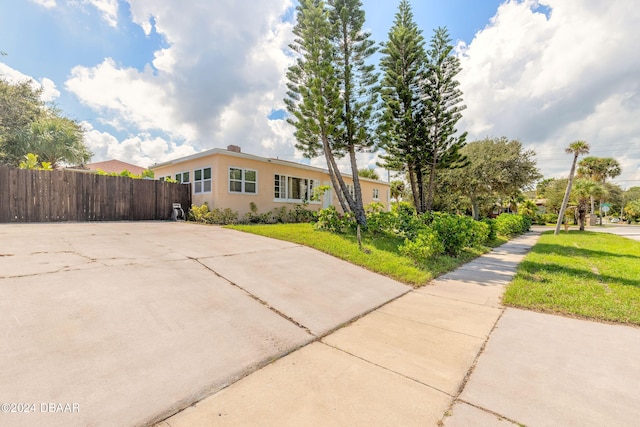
column 403, row 364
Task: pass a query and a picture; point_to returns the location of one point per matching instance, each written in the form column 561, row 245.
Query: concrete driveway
column 127, row 323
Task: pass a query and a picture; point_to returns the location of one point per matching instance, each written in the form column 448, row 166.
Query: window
column 202, row 180
column 182, row 177
column 350, row 189
column 291, row 188
column 243, row 180
column 376, row 194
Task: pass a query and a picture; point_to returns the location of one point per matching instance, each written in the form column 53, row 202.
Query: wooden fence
column 48, row 196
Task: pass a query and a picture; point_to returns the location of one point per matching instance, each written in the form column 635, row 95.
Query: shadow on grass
column 532, row 268
column 550, row 249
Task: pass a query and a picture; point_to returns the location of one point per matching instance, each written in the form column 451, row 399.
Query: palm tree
column 585, row 190
column 577, row 148
column 598, row 169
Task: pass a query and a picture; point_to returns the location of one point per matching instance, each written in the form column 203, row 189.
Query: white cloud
column 108, row 9
column 49, row 91
column 214, row 84
column 551, row 80
column 128, row 97
column 141, row 149
column 49, row 4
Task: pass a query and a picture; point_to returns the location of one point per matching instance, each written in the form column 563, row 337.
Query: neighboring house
column 232, row 179
column 114, row 166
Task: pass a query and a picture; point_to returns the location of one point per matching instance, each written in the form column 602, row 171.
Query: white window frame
column 376, row 194
column 350, row 189
column 284, row 190
column 242, row 180
column 202, row 180
column 181, row 174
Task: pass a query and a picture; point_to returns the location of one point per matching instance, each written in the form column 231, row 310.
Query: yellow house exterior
column 232, row 179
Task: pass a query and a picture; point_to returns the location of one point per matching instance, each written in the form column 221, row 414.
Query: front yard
column 584, row 274
column 383, row 255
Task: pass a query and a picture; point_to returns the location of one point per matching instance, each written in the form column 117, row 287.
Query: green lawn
column 585, row 274
column 382, row 251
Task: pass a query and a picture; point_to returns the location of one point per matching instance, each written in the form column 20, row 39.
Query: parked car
column 614, row 220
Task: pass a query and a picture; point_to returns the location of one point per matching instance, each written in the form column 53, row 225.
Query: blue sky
column 153, row 80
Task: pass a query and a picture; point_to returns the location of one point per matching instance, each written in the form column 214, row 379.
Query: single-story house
column 228, row 178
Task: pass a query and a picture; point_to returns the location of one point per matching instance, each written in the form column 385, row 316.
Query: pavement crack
column 387, row 369
column 257, row 299
column 489, row 411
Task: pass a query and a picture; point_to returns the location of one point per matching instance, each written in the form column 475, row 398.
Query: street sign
column 605, row 208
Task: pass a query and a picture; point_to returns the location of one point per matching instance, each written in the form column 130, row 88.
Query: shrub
column 491, row 223
column 457, row 232
column 330, row 219
column 199, row 213
column 426, row 245
column 511, row 224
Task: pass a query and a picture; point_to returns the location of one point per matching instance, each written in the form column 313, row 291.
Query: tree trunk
column 432, row 181
column 358, row 209
column 475, row 209
column 331, row 162
column 413, row 181
column 420, row 184
column 565, row 200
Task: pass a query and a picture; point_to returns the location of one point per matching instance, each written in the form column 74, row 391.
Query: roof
column 115, row 166
column 223, row 152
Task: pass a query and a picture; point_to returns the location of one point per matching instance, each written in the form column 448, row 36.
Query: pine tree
column 332, row 93
column 442, row 98
column 313, row 98
column 402, row 62
column 358, row 90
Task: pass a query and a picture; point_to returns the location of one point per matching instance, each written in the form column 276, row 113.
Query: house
column 232, row 179
column 114, row 166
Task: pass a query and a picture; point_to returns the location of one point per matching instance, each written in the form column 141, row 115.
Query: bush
column 458, row 232
column 203, row 215
column 491, row 223
column 330, row 219
column 511, row 224
column 426, row 245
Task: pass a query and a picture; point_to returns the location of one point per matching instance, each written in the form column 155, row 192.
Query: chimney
column 233, row 148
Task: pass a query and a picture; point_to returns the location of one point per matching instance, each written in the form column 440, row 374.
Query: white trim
column 242, row 181
column 202, row 180
column 182, row 176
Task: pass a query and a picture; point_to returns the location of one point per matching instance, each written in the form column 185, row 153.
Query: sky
column 154, row 80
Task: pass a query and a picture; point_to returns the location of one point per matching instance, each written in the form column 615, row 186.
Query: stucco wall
column 221, row 197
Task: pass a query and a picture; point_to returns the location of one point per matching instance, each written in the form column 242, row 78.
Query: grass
column 584, row 274
column 383, row 256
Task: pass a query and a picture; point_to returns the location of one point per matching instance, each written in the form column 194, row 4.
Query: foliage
column 586, row 274
column 203, row 215
column 330, row 219
column 31, row 162
column 424, row 246
column 457, row 232
column 498, row 168
column 632, row 209
column 125, row 173
column 402, row 63
column 27, row 125
column 331, row 94
column 512, row 224
column 583, row 191
column 368, row 173
column 442, row 97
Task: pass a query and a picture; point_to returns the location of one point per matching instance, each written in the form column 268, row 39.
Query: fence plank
column 5, row 213
column 46, row 196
